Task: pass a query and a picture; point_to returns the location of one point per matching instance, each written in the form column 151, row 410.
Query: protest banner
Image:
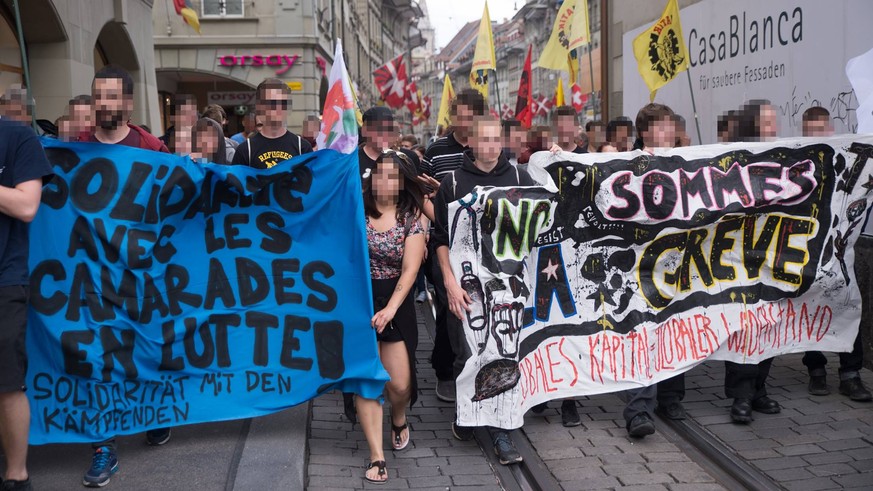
column 627, row 269
column 166, row 293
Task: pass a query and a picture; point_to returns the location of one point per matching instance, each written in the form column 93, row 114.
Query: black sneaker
column 818, row 385
column 445, row 390
column 505, row 449
column 855, row 389
column 569, row 414
column 11, row 485
column 539, row 408
column 672, row 410
column 462, row 433
column 104, row 464
column 158, row 437
column 640, row 426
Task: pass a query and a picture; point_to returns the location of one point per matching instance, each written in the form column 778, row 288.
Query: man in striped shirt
column 442, row 157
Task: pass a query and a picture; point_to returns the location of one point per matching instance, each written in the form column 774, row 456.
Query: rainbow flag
column 339, row 126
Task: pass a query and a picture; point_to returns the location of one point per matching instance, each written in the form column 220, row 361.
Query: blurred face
column 207, row 142
column 379, row 134
column 516, row 140
column 274, row 107
column 185, row 116
column 81, row 118
column 624, row 141
column 65, row 130
column 597, row 136
column 310, row 127
column 818, row 128
column 607, row 148
column 486, row 140
column 661, row 134
column 182, row 144
column 15, row 112
column 111, row 107
column 767, row 123
column 463, row 120
column 565, row 129
column 387, row 180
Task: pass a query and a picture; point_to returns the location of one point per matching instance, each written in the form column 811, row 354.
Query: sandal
column 397, row 440
column 382, row 472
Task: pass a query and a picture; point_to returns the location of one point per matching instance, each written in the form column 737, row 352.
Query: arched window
column 11, row 71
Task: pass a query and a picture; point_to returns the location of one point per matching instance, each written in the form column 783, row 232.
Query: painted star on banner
column 551, row 270
column 603, row 294
column 869, row 184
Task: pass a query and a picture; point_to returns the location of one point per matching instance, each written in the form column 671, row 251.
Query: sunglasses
column 274, row 104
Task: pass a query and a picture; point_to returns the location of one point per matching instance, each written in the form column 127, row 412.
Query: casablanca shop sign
column 283, row 63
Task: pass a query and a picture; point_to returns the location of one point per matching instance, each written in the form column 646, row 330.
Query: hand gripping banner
column 627, row 269
column 165, row 292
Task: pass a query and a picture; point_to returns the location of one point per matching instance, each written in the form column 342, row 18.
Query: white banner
column 630, row 268
column 791, row 52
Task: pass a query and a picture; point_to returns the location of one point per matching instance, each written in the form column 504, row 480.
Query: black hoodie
column 460, row 182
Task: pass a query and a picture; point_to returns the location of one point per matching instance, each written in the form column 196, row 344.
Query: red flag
column 576, row 97
column 524, row 104
column 391, row 81
column 494, row 113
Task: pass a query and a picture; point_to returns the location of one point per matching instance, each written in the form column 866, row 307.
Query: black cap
column 378, row 113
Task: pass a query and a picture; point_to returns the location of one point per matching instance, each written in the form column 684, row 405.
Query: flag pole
column 497, row 89
column 591, row 71
column 694, row 106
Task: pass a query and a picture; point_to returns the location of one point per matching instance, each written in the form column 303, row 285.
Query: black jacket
column 460, row 182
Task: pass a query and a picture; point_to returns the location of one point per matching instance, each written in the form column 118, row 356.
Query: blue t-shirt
column 239, row 138
column 22, row 159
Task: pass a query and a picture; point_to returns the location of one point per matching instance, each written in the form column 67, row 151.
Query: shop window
column 222, row 8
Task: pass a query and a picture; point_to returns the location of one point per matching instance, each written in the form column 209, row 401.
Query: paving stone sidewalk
column 434, row 460
column 815, row 443
column 600, row 455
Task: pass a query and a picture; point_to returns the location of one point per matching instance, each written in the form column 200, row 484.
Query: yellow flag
column 191, row 18
column 557, row 55
column 660, row 50
column 559, row 93
column 443, row 118
column 484, row 59
column 359, row 116
column 580, row 34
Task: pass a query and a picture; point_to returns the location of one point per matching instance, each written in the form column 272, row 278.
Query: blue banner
column 164, row 292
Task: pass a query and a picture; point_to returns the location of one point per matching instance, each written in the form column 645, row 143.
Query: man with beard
column 112, row 96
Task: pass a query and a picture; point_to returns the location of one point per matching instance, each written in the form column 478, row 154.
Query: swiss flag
column 578, row 99
column 426, row 103
column 391, row 81
column 413, row 103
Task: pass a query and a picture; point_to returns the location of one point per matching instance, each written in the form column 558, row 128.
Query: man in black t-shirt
column 379, row 133
column 274, row 143
column 23, row 171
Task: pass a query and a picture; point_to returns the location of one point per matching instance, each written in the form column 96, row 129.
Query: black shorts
column 13, row 328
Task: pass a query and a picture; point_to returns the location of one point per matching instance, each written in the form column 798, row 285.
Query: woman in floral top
column 393, row 201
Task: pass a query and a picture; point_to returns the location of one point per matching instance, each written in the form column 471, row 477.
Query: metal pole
column 694, row 106
column 24, row 64
column 497, row 89
column 604, row 61
column 591, row 70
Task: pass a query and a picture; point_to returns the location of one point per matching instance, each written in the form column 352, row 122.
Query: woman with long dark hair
column 393, row 202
